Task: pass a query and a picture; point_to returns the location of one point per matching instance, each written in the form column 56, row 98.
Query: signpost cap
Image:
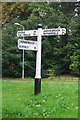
column 39, row 25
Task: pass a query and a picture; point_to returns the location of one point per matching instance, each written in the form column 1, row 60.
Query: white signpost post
column 36, row 46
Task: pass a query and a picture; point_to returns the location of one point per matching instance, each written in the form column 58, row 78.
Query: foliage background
column 60, row 54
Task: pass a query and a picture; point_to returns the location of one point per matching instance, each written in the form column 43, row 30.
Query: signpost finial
column 39, row 25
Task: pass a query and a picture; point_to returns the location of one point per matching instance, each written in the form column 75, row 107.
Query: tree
column 75, row 62
column 10, row 52
column 75, row 45
column 13, row 10
column 57, row 51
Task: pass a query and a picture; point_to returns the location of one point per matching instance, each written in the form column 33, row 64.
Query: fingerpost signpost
column 36, row 46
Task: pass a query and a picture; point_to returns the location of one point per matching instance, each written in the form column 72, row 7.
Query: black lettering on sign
column 34, row 47
column 34, row 33
column 28, row 42
column 27, row 46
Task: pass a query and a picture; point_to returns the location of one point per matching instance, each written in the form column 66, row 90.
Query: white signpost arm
column 38, row 64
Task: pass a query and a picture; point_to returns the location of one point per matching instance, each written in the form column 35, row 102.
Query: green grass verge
column 55, row 100
column 0, row 99
column 64, row 78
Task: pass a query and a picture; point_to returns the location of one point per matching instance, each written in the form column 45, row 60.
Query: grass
column 62, row 78
column 0, row 99
column 55, row 100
